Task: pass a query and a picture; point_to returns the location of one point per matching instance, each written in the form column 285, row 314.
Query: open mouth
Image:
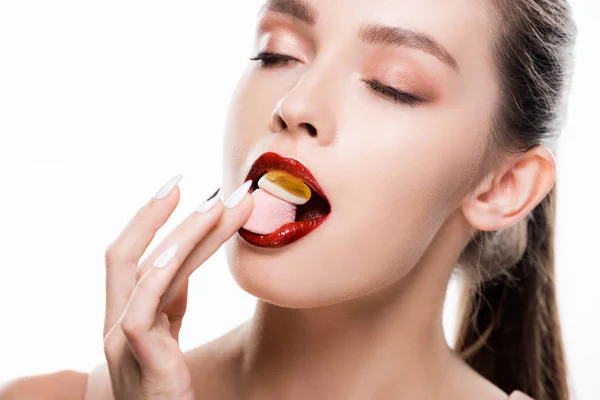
column 308, row 216
column 316, row 207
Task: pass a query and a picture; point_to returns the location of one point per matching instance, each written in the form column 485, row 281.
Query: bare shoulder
column 215, row 366
column 61, row 385
column 467, row 383
column 477, row 387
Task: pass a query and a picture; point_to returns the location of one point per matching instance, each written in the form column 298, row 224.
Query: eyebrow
column 375, row 34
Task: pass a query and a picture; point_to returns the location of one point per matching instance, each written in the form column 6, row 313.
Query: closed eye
column 396, row 95
column 268, row 59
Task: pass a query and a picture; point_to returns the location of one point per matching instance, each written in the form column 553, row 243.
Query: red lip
column 273, row 161
column 292, row 231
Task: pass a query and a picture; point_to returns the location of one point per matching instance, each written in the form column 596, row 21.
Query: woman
column 377, row 147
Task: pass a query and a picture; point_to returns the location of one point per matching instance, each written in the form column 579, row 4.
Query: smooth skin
column 141, row 335
column 353, row 310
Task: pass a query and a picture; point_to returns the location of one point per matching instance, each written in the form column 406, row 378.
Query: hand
column 145, row 303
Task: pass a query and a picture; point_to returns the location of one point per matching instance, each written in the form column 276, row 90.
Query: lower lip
column 285, row 235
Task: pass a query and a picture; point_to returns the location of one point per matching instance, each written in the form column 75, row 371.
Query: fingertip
column 169, row 203
column 238, row 195
column 241, row 212
column 210, row 204
column 167, row 255
column 167, row 188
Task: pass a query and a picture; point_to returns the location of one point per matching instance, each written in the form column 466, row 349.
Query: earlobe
column 511, row 191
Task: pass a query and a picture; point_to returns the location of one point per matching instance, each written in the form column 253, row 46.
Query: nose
column 309, row 107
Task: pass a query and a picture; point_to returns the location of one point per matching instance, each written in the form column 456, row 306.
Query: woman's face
column 393, row 170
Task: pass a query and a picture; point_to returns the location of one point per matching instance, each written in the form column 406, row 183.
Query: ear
column 511, row 190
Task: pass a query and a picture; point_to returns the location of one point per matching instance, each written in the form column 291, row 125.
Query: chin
column 302, row 275
column 277, row 277
column 288, row 277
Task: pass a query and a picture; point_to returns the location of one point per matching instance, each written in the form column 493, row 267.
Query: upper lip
column 273, row 161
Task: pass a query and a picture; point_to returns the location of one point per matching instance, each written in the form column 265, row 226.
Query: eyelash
column 395, row 94
column 268, row 59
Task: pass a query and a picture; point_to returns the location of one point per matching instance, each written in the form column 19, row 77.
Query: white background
column 103, row 102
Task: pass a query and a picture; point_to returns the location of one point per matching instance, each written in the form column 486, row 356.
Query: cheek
column 388, row 218
column 391, row 195
column 251, row 106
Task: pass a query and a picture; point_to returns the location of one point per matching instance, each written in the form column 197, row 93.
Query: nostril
column 277, row 122
column 311, row 129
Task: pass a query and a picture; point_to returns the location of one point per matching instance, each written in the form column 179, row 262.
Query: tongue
column 269, row 213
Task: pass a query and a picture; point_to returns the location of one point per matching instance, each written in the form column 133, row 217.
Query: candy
column 269, row 213
column 285, row 186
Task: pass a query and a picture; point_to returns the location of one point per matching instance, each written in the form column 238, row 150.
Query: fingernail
column 237, row 196
column 167, row 187
column 166, row 256
column 210, row 202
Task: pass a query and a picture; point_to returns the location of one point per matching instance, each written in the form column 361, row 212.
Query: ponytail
column 509, row 330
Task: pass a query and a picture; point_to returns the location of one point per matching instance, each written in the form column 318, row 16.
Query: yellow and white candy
column 285, row 186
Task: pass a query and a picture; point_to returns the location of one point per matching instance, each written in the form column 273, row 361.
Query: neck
column 391, row 341
column 394, row 339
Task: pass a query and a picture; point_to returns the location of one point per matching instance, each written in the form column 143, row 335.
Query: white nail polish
column 210, row 202
column 167, row 187
column 166, row 256
column 237, row 196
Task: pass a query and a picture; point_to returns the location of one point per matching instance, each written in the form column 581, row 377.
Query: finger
column 178, row 244
column 175, row 310
column 123, row 254
column 188, row 234
column 231, row 221
column 140, row 315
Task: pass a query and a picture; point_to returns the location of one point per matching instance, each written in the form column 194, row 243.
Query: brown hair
column 509, row 330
